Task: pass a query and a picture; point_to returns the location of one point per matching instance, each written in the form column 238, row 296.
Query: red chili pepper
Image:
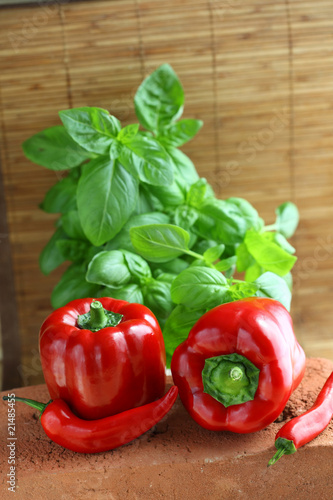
column 94, row 436
column 102, row 361
column 239, row 365
column 302, row 429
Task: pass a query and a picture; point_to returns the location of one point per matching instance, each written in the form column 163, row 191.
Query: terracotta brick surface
column 177, row 459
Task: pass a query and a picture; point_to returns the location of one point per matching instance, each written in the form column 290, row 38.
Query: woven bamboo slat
column 258, row 73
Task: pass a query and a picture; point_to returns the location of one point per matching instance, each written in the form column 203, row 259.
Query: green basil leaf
column 131, row 293
column 144, row 204
column 199, row 262
column 61, row 197
column 287, row 218
column 248, row 212
column 253, row 272
column 146, row 159
column 92, row 128
column 180, row 132
column 153, row 202
column 115, row 149
column 199, row 192
column 185, row 216
column 175, row 266
column 106, row 197
column 283, row 243
column 73, row 250
column 161, row 276
column 242, row 290
column 157, row 297
column 54, row 148
column 226, row 264
column 171, row 195
column 268, row 254
column 108, row 268
column 123, row 240
column 273, row 286
column 160, row 98
column 51, row 257
column 178, row 326
column 137, row 266
column 159, row 242
column 213, row 253
column 244, row 258
column 127, row 133
column 288, row 278
column 227, row 223
column 72, row 225
column 204, row 227
column 92, row 251
column 183, row 165
column 202, row 245
column 73, row 285
column 199, row 287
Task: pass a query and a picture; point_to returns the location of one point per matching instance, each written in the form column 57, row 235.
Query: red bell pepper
column 102, row 357
column 239, row 365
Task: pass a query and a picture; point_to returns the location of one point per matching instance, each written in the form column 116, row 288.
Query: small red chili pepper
column 302, row 429
column 94, row 436
column 102, row 357
column 239, row 365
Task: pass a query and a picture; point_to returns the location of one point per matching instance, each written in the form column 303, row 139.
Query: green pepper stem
column 284, row 447
column 98, row 318
column 276, row 457
column 236, row 373
column 231, row 379
column 31, row 402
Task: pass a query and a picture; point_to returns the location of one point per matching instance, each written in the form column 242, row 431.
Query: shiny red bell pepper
column 102, row 360
column 239, row 365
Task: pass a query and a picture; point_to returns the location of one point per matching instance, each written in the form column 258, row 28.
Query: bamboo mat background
column 258, row 73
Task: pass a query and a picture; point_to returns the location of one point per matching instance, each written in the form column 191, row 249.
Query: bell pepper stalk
column 102, row 357
column 63, row 427
column 239, row 365
column 302, row 429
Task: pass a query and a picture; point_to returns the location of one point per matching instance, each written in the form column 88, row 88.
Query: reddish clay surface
column 177, row 459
